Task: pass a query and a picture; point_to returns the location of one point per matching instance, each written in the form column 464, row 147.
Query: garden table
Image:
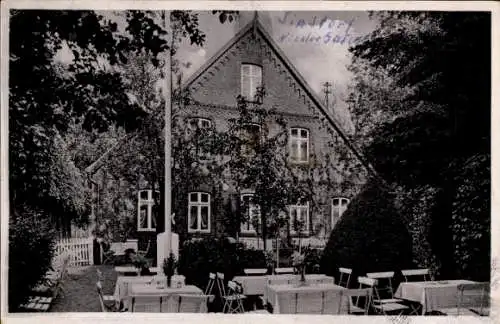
column 256, row 285
column 432, row 295
column 322, row 298
column 150, row 291
column 121, row 270
column 124, row 285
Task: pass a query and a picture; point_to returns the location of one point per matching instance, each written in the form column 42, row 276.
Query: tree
column 430, row 117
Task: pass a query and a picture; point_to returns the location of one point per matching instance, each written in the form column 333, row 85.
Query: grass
column 80, row 289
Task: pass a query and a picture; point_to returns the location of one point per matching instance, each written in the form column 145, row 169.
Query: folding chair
column 415, row 274
column 210, row 284
column 472, row 299
column 386, row 290
column 380, row 307
column 143, row 253
column 233, row 297
column 100, row 279
column 102, row 300
column 354, row 307
column 345, row 272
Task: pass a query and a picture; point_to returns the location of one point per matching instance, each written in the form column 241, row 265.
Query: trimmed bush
column 371, row 236
column 31, row 248
column 251, row 258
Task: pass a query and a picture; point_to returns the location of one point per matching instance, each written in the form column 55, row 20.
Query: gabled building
column 250, row 61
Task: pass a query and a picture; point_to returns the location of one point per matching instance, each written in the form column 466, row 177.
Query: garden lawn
column 80, row 293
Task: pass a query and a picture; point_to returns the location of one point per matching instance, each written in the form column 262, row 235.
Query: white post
column 166, row 92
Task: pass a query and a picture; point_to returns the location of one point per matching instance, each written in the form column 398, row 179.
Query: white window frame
column 299, row 207
column 149, row 202
column 198, row 204
column 339, row 208
column 199, row 123
column 298, row 139
column 248, row 227
column 254, row 76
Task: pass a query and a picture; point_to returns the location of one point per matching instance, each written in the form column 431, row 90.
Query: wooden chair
column 100, row 279
column 380, row 307
column 472, row 299
column 102, row 300
column 233, row 297
column 143, row 253
column 345, row 272
column 415, row 274
column 210, row 284
column 356, row 294
column 385, row 292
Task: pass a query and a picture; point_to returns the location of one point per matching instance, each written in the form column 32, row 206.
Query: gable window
column 198, row 212
column 199, row 123
column 339, row 206
column 251, row 79
column 299, row 218
column 147, row 210
column 250, row 212
column 299, row 145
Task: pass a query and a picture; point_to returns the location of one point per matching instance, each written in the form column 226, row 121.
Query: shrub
column 251, row 258
column 371, row 236
column 200, row 257
column 31, row 248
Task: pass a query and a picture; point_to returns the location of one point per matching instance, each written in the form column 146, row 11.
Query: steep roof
column 256, row 26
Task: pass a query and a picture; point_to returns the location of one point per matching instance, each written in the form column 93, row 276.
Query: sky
column 319, row 58
column 316, row 42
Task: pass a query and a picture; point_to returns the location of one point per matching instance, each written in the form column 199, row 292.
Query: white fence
column 80, row 250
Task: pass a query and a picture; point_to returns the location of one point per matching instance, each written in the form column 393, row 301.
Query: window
column 339, row 206
column 250, row 136
column 299, row 145
column 251, row 79
column 199, row 212
column 251, row 211
column 199, row 123
column 147, row 210
column 299, row 218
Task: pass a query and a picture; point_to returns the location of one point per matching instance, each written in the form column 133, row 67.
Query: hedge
column 371, row 236
column 31, row 248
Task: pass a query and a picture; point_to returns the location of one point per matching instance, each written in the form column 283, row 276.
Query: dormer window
column 251, row 80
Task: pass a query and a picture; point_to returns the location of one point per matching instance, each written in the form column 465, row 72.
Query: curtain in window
column 204, row 217
column 193, row 217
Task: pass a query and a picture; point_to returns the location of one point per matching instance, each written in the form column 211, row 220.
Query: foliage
column 139, row 261
column 31, row 248
column 198, row 258
column 421, row 119
column 371, row 236
column 169, row 265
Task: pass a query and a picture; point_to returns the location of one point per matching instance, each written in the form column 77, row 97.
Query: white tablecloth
column 149, row 291
column 311, row 299
column 256, row 285
column 124, row 284
column 433, row 295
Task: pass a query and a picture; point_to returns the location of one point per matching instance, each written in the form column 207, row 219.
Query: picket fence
column 80, row 250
